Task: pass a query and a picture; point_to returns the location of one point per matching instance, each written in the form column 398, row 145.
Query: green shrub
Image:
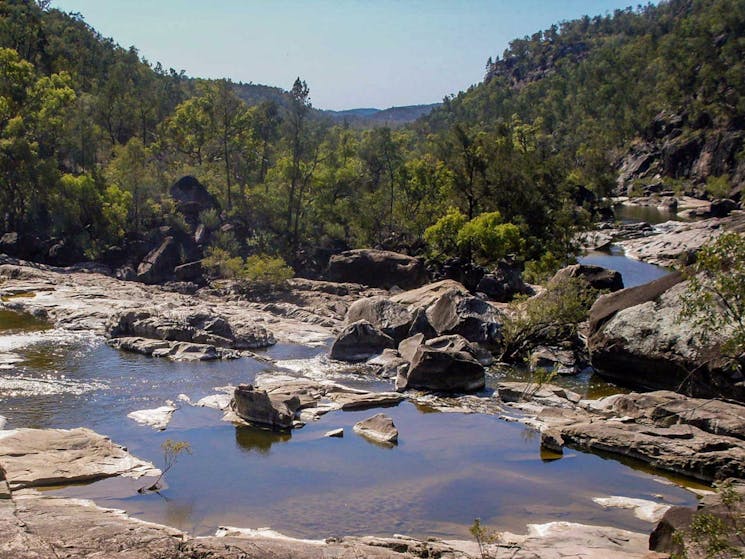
column 266, row 271
column 715, row 299
column 718, row 187
column 219, row 263
column 541, row 270
column 550, row 317
column 210, row 219
column 442, row 237
column 488, row 238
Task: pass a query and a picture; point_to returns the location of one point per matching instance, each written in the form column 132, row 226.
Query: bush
column 266, row 271
column 486, row 237
column 718, row 187
column 442, row 237
column 489, row 239
column 550, row 317
column 715, row 299
column 541, row 270
column 219, row 263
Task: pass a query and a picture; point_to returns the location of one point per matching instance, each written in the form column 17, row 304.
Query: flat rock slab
column 559, row 540
column 44, row 528
column 351, row 401
column 650, row 511
column 157, row 418
column 37, row 457
column 49, row 528
column 676, row 238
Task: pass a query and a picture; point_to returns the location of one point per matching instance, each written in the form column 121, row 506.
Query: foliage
column 715, row 299
column 720, row 536
column 483, row 537
column 84, row 120
column 219, row 263
column 540, row 377
column 485, row 237
column 442, row 237
column 553, row 315
column 489, row 239
column 172, row 451
column 266, row 271
column 541, row 270
column 718, row 187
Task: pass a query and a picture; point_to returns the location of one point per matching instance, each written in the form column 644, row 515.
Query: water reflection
column 647, row 214
column 633, row 272
column 447, row 469
column 12, row 322
column 250, row 439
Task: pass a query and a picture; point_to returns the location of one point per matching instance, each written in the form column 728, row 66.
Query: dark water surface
column 633, row 272
column 447, row 469
column 648, row 214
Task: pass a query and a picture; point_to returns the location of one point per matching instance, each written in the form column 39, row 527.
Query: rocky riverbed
column 697, row 438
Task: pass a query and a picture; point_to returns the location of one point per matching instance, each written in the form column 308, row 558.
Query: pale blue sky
column 352, row 53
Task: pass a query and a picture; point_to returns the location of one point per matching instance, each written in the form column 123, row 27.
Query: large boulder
column 424, row 296
column 390, row 317
column 192, row 198
column 377, row 268
column 26, row 246
column 447, row 364
column 159, row 264
column 596, row 276
column 471, row 317
column 359, row 341
column 638, row 337
column 378, row 428
column 503, row 283
column 197, row 326
column 259, row 407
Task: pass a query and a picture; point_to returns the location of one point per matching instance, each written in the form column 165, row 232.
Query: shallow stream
column 447, row 469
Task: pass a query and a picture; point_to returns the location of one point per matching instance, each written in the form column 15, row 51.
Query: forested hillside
column 92, row 137
column 658, row 89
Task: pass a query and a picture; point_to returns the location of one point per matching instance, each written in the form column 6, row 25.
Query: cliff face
column 675, row 154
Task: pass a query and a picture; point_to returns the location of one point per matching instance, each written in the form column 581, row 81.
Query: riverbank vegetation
column 93, row 135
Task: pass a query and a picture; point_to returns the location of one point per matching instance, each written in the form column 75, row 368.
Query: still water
column 633, row 272
column 447, row 469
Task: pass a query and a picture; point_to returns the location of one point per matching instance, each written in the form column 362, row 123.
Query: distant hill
column 254, row 93
column 366, row 117
column 393, row 116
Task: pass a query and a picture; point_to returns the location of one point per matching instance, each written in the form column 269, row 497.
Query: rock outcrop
column 185, row 335
column 441, row 308
column 702, row 439
column 674, row 533
column 675, row 241
column 377, row 268
column 597, row 277
column 391, row 318
column 638, row 337
column 159, row 264
column 359, row 341
column 192, row 198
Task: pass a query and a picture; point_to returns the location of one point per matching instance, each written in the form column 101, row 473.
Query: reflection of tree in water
column 260, row 440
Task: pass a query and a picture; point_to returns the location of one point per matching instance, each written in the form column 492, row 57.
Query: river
column 447, row 469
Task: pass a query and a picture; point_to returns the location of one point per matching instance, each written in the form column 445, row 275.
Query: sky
column 351, row 53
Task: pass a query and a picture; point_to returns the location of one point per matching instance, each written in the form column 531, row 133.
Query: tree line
column 92, row 136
